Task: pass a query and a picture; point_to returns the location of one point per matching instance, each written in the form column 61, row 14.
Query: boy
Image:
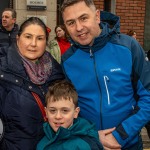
column 64, row 129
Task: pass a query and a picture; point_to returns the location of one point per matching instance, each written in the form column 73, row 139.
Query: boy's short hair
column 62, row 89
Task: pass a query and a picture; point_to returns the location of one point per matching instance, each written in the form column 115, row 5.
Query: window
column 110, row 6
column 59, row 16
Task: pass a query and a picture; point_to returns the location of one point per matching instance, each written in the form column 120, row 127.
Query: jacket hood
column 110, row 24
column 79, row 127
column 111, row 20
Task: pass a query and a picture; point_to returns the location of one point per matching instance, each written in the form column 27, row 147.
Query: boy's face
column 61, row 113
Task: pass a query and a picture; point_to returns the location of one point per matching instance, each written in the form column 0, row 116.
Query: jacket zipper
column 106, row 79
column 92, row 56
column 91, row 53
column 9, row 38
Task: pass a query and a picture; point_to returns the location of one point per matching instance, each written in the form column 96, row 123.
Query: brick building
column 134, row 14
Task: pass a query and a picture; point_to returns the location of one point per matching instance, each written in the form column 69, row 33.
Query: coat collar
column 110, row 24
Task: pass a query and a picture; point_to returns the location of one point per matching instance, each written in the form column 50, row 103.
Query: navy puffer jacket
column 18, row 109
column 8, row 37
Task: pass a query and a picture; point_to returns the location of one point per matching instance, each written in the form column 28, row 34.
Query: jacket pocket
column 106, row 80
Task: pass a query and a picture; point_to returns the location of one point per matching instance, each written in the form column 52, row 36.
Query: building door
column 59, row 16
column 5, row 4
column 147, row 27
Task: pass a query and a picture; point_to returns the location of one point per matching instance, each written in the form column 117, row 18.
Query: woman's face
column 60, row 32
column 32, row 42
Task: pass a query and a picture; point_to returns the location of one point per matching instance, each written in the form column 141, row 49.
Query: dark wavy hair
column 64, row 29
column 33, row 20
column 131, row 32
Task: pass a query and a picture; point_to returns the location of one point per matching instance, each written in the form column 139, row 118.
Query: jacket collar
column 11, row 61
column 110, row 24
column 14, row 29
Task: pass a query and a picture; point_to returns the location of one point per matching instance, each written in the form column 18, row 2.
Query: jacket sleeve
column 57, row 72
column 2, row 99
column 55, row 50
column 130, row 127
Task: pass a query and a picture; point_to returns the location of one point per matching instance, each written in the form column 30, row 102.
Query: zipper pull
column 91, row 54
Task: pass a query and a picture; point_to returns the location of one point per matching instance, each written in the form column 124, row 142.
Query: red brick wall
column 132, row 14
column 99, row 4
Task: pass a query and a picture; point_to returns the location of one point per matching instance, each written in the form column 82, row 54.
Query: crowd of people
column 88, row 91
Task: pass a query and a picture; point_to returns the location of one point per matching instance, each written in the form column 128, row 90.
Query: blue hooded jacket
column 112, row 79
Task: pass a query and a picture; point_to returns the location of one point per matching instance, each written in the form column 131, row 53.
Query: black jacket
column 18, row 109
column 8, row 37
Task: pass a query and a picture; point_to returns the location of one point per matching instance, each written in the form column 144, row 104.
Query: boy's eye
column 52, row 111
column 65, row 110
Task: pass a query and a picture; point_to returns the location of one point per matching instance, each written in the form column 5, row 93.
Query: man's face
column 7, row 20
column 82, row 23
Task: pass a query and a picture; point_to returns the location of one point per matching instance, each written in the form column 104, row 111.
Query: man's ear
column 77, row 110
column 14, row 20
column 45, row 110
column 98, row 16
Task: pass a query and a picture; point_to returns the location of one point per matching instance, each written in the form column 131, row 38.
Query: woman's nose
column 33, row 42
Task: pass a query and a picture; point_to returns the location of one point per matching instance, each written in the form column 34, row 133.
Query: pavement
column 146, row 140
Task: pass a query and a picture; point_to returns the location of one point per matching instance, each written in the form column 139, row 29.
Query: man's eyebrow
column 83, row 15
column 70, row 20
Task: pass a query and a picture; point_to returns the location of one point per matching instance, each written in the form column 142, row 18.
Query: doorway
column 5, row 4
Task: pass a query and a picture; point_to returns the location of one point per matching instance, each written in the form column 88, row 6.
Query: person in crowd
column 8, row 27
column 131, row 33
column 64, row 129
column 148, row 55
column 109, row 71
column 60, row 44
column 26, row 71
column 147, row 126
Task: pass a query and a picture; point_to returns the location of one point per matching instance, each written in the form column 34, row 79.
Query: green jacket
column 54, row 49
column 80, row 136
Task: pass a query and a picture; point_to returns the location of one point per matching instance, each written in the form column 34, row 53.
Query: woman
column 60, row 44
column 26, row 70
column 132, row 33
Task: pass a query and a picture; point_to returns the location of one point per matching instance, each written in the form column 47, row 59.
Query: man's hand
column 108, row 140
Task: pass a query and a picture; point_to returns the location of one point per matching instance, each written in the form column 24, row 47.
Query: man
column 8, row 27
column 109, row 72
